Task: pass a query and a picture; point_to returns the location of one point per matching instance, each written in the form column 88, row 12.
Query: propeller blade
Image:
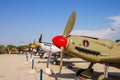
column 40, row 39
column 61, row 58
column 70, row 24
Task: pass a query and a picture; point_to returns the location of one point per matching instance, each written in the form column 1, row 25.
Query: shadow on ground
column 112, row 75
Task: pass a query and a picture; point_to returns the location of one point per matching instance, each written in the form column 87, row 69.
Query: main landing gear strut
column 105, row 75
column 87, row 73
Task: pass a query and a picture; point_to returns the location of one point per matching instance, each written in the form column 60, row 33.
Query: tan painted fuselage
column 94, row 49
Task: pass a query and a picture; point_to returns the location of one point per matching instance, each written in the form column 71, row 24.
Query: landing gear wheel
column 87, row 73
column 55, row 62
column 79, row 71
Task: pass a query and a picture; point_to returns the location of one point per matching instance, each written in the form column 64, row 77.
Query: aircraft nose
column 60, row 41
column 37, row 44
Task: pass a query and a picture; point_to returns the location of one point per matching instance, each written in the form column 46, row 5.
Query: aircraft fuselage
column 94, row 49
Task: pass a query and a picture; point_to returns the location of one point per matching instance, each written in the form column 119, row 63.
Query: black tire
column 78, row 72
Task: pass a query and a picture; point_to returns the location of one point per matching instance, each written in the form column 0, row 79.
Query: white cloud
column 111, row 33
column 116, row 20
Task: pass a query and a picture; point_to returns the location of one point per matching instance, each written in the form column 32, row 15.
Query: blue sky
column 22, row 21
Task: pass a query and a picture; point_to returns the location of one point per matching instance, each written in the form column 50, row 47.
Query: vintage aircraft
column 92, row 49
column 47, row 48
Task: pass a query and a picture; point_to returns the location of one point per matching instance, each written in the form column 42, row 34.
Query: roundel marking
column 86, row 43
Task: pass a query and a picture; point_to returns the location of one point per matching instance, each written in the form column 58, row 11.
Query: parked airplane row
column 92, row 49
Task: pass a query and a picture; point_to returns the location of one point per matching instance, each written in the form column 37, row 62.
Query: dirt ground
column 16, row 67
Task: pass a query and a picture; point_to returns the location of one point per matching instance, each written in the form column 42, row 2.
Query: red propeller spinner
column 60, row 41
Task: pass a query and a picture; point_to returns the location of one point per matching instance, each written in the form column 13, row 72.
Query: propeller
column 38, row 43
column 61, row 41
column 61, row 58
column 40, row 39
column 70, row 25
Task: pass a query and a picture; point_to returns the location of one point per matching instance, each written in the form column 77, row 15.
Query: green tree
column 2, row 49
column 11, row 46
column 22, row 48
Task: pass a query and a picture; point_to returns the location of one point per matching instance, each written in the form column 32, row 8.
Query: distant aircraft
column 48, row 48
column 92, row 49
column 118, row 40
